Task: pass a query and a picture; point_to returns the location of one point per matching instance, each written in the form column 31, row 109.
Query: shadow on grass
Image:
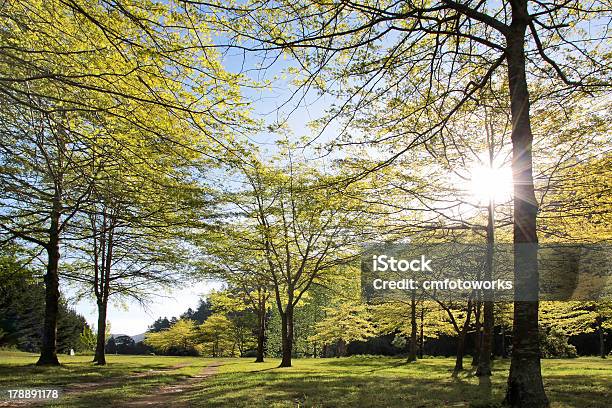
column 69, row 373
column 84, row 384
column 345, row 383
column 344, row 391
column 352, row 382
column 353, row 385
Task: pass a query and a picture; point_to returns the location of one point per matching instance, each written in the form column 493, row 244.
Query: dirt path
column 166, row 396
column 112, row 382
column 106, row 383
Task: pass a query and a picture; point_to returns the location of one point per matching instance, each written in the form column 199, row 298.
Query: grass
column 346, row 382
column 124, row 378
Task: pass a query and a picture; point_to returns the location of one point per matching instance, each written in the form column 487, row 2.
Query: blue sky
column 132, row 318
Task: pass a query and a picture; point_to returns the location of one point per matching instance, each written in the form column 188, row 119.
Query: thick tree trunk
column 486, row 341
column 486, row 344
column 412, row 347
column 461, row 340
column 287, row 336
column 261, row 336
column 48, row 351
column 525, row 386
column 100, row 356
column 504, row 353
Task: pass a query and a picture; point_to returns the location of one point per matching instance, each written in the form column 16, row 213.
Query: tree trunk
column 261, row 336
column 504, row 353
column 461, row 340
column 341, row 348
column 412, row 347
column 602, row 343
column 486, row 340
column 477, row 331
column 100, row 356
column 287, row 336
column 48, row 351
column 525, row 386
column 486, row 344
column 421, row 338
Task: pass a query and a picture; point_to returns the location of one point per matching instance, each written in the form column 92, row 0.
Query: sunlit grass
column 333, row 382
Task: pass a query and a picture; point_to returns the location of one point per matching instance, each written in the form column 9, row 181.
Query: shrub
column 554, row 344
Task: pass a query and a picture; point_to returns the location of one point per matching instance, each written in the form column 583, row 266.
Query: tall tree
column 301, row 229
column 126, row 237
column 44, row 183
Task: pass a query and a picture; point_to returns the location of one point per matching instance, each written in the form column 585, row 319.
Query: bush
column 553, row 344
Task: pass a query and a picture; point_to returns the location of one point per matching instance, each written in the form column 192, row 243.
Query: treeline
column 216, row 328
column 323, row 330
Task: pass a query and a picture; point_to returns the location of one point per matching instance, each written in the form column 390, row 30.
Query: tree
column 203, row 311
column 343, row 323
column 87, row 340
column 127, row 234
column 228, row 258
column 22, row 307
column 111, row 346
column 182, row 338
column 236, row 306
column 124, row 344
column 301, row 230
column 575, row 317
column 159, row 325
column 395, row 317
column 44, row 183
column 217, row 337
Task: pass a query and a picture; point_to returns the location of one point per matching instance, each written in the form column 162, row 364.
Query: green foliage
column 218, row 336
column 181, row 338
column 391, row 317
column 553, row 344
column 87, row 340
column 345, row 322
column 233, row 305
column 576, row 317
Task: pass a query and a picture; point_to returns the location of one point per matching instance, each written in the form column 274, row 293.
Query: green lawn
column 353, row 381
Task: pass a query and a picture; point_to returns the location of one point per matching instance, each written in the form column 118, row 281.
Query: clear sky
column 132, row 318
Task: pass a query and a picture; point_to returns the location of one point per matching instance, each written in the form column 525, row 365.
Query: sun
column 491, row 183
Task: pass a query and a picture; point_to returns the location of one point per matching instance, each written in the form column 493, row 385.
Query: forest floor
column 139, row 381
